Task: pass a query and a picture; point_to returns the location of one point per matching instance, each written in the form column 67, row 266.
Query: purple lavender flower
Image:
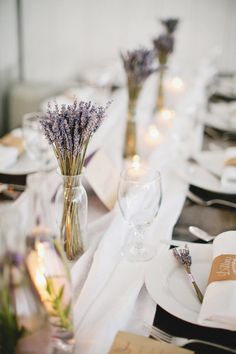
column 69, row 129
column 138, row 65
column 164, row 46
column 170, row 24
column 183, row 256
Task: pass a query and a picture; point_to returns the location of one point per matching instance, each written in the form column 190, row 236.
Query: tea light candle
column 176, row 85
column 136, row 161
column 166, row 114
column 153, row 136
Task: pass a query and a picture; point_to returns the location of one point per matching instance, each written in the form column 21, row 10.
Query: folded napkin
column 228, row 179
column 219, row 305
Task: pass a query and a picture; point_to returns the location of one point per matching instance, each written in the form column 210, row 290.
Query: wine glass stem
column 138, row 239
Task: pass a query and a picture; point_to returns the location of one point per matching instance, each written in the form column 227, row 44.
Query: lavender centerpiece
column 170, row 25
column 164, row 46
column 69, row 130
column 138, row 65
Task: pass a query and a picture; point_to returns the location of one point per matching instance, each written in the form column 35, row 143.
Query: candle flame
column 136, row 161
column 177, row 83
column 167, row 114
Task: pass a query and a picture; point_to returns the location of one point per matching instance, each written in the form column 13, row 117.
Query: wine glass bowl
column 36, row 144
column 139, row 197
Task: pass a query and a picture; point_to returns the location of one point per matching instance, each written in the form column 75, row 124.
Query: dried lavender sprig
column 138, row 64
column 183, row 257
column 170, row 24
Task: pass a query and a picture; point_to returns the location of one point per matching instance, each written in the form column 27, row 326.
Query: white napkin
column 228, row 178
column 8, row 156
column 219, row 305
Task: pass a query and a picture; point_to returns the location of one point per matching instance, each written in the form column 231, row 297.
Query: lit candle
column 166, row 114
column 153, row 136
column 46, row 268
column 176, row 85
column 136, row 161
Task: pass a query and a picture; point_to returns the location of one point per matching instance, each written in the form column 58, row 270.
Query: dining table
column 109, row 292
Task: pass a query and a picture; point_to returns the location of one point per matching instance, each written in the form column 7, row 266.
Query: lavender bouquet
column 138, row 65
column 170, row 25
column 69, row 131
column 164, row 46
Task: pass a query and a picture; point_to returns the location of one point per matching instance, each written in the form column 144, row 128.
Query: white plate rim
column 206, row 186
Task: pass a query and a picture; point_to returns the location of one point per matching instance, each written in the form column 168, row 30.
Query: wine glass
column 139, row 197
column 36, row 144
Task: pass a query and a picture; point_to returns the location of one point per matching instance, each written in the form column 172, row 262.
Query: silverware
column 180, row 341
column 11, row 187
column 183, row 256
column 201, row 234
column 198, row 200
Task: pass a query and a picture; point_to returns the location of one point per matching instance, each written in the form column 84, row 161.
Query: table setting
column 117, row 214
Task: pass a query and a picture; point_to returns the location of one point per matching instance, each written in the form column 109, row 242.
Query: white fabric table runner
column 109, row 291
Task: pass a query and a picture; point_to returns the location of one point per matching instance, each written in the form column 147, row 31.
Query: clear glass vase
column 72, row 205
column 51, row 277
column 130, row 142
column 160, row 89
column 24, row 326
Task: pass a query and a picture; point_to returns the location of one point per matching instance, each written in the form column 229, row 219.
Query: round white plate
column 218, row 122
column 199, row 175
column 168, row 284
column 26, row 165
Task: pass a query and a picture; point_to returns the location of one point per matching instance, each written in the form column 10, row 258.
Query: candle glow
column 167, row 114
column 153, row 136
column 136, row 161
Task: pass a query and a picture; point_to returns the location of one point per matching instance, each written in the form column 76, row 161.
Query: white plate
column 168, row 284
column 25, row 165
column 199, row 175
column 219, row 122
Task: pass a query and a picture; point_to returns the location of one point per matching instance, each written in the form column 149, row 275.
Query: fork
column 181, row 342
column 198, row 200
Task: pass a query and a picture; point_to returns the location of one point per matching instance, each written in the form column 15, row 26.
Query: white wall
column 62, row 37
column 8, row 53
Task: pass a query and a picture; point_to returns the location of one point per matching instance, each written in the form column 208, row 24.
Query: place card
column 128, row 343
column 103, row 176
column 223, row 268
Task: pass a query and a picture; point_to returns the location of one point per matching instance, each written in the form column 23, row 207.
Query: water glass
column 36, row 144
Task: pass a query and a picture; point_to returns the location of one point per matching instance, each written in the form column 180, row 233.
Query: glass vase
column 24, row 327
column 51, row 277
column 130, row 142
column 160, row 89
column 72, row 205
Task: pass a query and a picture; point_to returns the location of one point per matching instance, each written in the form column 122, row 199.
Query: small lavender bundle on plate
column 170, row 24
column 69, row 130
column 184, row 258
column 138, row 65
